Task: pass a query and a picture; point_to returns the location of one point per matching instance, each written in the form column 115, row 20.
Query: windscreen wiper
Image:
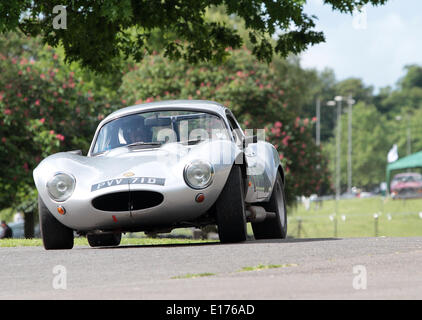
column 142, row 143
column 194, row 141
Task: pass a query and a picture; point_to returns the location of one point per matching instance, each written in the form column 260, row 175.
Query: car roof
column 407, row 174
column 204, row 105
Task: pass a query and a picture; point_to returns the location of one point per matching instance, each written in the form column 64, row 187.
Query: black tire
column 55, row 235
column 273, row 228
column 230, row 209
column 111, row 239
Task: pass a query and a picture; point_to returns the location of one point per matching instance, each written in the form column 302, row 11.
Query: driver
column 135, row 131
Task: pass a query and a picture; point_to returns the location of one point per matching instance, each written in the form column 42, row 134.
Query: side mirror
column 77, row 152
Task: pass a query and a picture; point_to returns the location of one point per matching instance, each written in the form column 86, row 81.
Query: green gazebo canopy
column 411, row 161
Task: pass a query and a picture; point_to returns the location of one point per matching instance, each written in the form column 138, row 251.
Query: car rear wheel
column 54, row 234
column 111, row 239
column 273, row 228
column 230, row 209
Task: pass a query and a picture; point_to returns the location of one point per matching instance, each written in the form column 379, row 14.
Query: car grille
column 127, row 201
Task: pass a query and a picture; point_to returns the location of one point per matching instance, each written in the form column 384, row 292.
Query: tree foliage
column 99, row 33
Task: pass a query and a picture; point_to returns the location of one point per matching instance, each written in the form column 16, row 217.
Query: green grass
column 84, row 242
column 269, row 266
column 355, row 218
column 194, row 275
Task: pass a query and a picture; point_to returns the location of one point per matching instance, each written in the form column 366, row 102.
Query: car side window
column 234, row 129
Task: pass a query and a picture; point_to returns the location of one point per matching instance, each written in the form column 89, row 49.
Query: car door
column 256, row 165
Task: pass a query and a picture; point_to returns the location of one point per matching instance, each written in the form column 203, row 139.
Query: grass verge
column 265, row 267
column 125, row 241
column 194, row 275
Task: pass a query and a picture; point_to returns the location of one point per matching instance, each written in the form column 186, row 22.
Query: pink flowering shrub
column 39, row 96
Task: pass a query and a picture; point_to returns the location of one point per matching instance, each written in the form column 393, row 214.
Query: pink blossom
column 25, row 166
column 314, row 119
column 37, row 102
column 51, row 132
column 278, row 124
column 42, row 120
column 60, row 137
column 285, row 141
column 7, row 111
column 3, row 140
column 149, row 99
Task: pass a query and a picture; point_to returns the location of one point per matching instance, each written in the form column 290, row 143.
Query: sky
column 374, row 45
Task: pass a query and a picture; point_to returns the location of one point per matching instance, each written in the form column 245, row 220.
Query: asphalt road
column 359, row 268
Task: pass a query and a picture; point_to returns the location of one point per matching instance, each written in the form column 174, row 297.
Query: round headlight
column 61, row 186
column 198, row 174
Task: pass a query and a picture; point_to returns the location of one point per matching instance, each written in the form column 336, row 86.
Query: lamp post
column 350, row 103
column 318, row 124
column 337, row 99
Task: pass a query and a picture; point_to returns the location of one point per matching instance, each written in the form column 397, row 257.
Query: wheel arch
column 281, row 171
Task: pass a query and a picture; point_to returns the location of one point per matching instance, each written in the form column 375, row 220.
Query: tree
column 406, row 98
column 356, row 88
column 371, row 142
column 45, row 107
column 98, row 33
column 413, row 77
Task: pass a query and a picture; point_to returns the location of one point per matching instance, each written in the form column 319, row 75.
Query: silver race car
column 158, row 166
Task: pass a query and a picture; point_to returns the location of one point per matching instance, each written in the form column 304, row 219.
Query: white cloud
column 377, row 53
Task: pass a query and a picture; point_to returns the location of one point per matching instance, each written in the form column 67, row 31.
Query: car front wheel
column 230, row 209
column 54, row 234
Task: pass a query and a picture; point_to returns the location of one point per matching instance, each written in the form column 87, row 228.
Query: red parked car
column 406, row 185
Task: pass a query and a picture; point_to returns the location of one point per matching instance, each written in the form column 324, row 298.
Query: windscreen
column 160, row 127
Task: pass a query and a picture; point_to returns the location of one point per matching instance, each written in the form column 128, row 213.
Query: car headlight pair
column 61, row 186
column 198, row 174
